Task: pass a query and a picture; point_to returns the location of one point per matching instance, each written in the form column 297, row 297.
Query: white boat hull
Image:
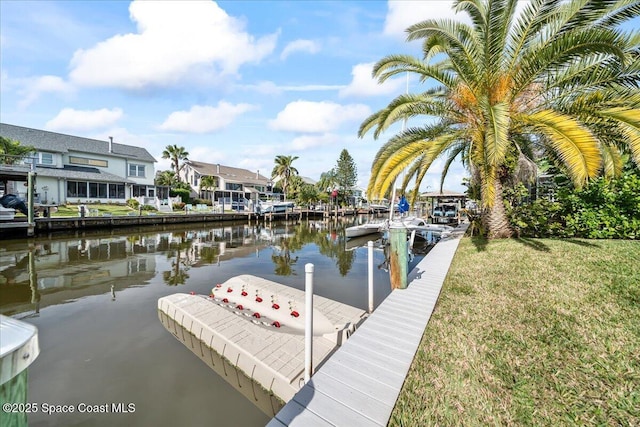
column 362, row 230
column 276, row 207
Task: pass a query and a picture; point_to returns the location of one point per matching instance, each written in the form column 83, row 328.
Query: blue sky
column 234, row 82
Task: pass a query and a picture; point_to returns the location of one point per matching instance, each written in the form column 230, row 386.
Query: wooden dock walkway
column 359, row 384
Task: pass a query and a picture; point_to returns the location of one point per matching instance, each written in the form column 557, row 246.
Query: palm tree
column 208, row 183
column 328, row 181
column 559, row 80
column 164, row 181
column 11, row 151
column 283, row 170
column 176, row 155
column 165, row 178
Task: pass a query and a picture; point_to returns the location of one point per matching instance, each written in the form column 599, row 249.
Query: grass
column 72, row 210
column 531, row 332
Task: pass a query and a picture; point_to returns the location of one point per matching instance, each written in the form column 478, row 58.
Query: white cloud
column 76, row 120
column 121, row 135
column 300, row 45
column 4, row 80
column 311, row 88
column 257, row 164
column 270, row 88
column 267, row 150
column 363, row 84
column 264, row 87
column 305, row 142
column 317, row 117
column 204, row 119
column 207, row 155
column 173, row 39
column 402, row 14
column 43, row 84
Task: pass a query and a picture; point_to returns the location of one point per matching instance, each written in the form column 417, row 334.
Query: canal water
column 93, row 296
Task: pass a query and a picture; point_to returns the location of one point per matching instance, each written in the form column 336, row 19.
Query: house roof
column 304, row 179
column 43, row 140
column 443, row 193
column 81, row 173
column 228, row 173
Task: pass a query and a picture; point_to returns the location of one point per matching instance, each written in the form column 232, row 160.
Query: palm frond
column 497, row 141
column 453, row 153
column 401, row 151
column 462, row 45
column 394, row 65
column 576, row 146
column 629, row 123
column 403, row 107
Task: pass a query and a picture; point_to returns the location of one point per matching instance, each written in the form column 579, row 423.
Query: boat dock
column 53, row 224
column 361, row 381
column 255, row 326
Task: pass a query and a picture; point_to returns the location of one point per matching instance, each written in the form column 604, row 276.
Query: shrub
column 149, row 208
column 603, row 209
column 182, row 193
column 202, row 202
column 178, row 206
column 541, row 218
column 133, row 203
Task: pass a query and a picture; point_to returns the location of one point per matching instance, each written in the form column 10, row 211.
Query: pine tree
column 346, row 174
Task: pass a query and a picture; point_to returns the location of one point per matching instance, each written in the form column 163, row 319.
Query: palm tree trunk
column 495, row 219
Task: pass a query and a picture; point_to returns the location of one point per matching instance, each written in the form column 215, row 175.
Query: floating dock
column 256, row 327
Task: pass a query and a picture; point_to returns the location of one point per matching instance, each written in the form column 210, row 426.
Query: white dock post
column 308, row 327
column 370, row 250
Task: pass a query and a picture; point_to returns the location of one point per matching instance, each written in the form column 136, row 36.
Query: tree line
column 338, row 183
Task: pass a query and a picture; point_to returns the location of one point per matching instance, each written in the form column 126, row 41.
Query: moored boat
column 275, row 207
column 364, row 229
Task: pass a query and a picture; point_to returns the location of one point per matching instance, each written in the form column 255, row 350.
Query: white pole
column 308, row 324
column 392, row 208
column 370, row 249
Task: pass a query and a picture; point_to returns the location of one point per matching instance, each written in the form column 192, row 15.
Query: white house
column 233, row 186
column 71, row 169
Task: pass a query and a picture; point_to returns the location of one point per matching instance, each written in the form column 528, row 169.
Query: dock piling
column 398, row 262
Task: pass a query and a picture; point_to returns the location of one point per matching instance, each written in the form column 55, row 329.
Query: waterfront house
column 72, row 169
column 233, row 187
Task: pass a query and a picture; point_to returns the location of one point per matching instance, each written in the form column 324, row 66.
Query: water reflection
column 93, row 297
column 40, row 274
column 49, row 271
column 328, row 237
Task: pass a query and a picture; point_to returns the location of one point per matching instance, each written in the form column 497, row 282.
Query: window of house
column 116, row 191
column 136, row 170
column 139, row 191
column 97, row 190
column 77, row 189
column 89, row 162
column 232, row 186
column 45, row 158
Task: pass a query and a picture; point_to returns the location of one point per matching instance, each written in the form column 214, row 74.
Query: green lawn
column 531, row 332
column 72, row 210
column 115, row 210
